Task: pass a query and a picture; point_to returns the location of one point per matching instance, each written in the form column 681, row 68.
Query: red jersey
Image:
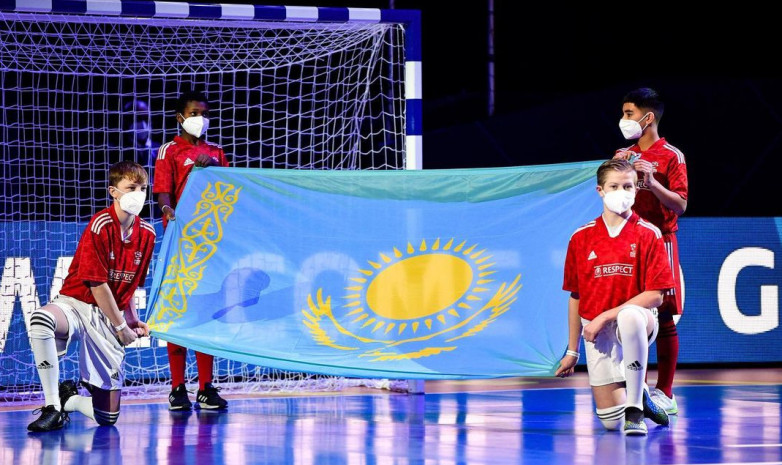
column 608, row 271
column 174, row 162
column 102, row 256
column 671, row 173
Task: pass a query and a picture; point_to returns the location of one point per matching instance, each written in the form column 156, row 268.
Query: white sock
column 81, row 404
column 632, row 330
column 611, row 417
column 42, row 325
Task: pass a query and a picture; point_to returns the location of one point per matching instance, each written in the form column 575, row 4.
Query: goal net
column 79, row 92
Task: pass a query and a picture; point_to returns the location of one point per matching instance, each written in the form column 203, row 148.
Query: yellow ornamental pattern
column 198, row 243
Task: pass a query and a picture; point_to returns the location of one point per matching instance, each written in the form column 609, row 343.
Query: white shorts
column 604, row 358
column 101, row 356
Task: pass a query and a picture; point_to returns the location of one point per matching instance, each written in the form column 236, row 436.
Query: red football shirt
column 671, row 173
column 608, row 271
column 103, row 257
column 174, row 162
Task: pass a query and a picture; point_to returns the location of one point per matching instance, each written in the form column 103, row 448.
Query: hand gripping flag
column 433, row 274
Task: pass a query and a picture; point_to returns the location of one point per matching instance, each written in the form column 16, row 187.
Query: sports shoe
column 653, row 411
column 208, row 398
column 667, row 403
column 178, row 399
column 51, row 419
column 634, row 422
column 67, row 390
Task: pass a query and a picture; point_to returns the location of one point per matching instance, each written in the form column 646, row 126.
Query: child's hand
column 141, row 329
column 126, row 336
column 594, row 327
column 168, row 212
column 645, row 169
column 628, row 155
column 566, row 366
column 205, row 160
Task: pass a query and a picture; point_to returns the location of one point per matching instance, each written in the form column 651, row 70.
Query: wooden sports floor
column 727, row 416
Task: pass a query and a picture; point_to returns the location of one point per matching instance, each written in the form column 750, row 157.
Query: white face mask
column 632, row 129
column 132, row 202
column 619, row 201
column 196, row 126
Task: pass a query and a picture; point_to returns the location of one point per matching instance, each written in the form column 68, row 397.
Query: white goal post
column 84, row 84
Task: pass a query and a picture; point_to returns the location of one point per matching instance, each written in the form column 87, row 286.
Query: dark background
column 560, row 75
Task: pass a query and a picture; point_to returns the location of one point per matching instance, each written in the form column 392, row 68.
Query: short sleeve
column 570, row 282
column 163, row 182
column 677, row 177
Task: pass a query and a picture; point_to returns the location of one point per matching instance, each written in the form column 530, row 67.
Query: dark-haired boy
column 662, row 198
column 174, row 162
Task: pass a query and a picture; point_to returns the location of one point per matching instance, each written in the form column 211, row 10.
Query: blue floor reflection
column 717, row 424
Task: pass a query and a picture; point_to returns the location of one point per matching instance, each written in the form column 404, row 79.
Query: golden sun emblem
column 419, row 287
column 413, row 297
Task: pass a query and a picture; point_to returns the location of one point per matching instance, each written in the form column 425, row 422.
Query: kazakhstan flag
column 433, row 274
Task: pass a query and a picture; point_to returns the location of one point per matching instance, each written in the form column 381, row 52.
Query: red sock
column 177, row 357
column 667, row 355
column 205, row 363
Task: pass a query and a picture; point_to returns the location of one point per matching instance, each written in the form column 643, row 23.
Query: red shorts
column 673, row 300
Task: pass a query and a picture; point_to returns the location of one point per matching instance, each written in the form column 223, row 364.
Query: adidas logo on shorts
column 635, row 366
column 45, row 365
column 115, row 376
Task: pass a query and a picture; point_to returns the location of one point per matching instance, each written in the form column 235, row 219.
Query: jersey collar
column 632, row 219
column 182, row 141
column 115, row 219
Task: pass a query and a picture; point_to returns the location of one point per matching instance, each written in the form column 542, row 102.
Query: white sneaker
column 667, row 403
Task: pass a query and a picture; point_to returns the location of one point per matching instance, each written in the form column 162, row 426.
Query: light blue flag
column 433, row 274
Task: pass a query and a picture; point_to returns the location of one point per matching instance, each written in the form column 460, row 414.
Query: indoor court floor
column 727, row 416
